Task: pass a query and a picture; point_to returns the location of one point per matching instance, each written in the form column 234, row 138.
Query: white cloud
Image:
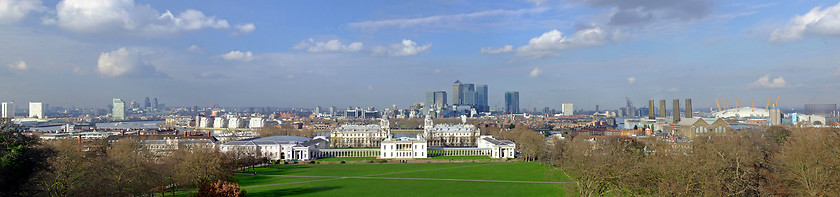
column 536, row 72
column 124, row 62
column 195, row 49
column 550, row 42
column 673, row 90
column 18, row 66
column 124, row 17
column 819, row 22
column 765, row 82
column 440, row 19
column 370, row 87
column 14, row 10
column 239, row 56
column 631, row 80
column 437, row 71
column 491, row 50
column 329, row 46
column 246, row 28
column 405, row 48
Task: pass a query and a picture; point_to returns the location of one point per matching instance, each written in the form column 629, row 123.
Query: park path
column 373, row 176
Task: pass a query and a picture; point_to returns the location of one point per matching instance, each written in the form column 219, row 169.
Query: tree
column 809, row 162
column 220, row 189
column 21, row 157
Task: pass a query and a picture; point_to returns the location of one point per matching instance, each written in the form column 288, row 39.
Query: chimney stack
column 651, row 110
column 662, row 112
column 676, row 113
column 688, row 109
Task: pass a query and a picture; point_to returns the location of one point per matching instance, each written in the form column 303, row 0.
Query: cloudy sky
column 380, row 53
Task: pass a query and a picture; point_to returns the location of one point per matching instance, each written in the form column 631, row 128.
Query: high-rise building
column 651, row 109
column 436, row 99
column 118, row 110
column 481, row 98
column 474, row 95
column 8, row 110
column 512, row 102
column 820, row 109
column 456, row 93
column 147, row 104
column 568, row 109
column 36, row 110
column 597, row 108
column 155, row 104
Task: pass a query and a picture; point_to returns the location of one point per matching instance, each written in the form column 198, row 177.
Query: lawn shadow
column 293, row 191
column 282, row 169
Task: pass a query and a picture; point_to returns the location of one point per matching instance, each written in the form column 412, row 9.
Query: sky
column 380, row 53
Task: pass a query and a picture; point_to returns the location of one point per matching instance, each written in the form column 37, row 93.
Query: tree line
column 122, row 168
column 775, row 161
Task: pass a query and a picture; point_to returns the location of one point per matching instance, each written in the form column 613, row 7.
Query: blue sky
column 380, row 53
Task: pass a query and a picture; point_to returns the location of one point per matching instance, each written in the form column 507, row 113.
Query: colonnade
column 323, row 153
column 459, row 151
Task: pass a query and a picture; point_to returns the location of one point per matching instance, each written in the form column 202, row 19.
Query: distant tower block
column 662, row 108
column 688, row 109
column 676, row 113
column 651, row 110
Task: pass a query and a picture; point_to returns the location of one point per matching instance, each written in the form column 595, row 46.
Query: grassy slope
column 517, row 171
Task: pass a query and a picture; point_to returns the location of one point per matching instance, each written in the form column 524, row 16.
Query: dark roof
column 313, row 142
column 498, row 142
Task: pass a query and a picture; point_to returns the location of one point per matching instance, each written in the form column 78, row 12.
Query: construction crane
column 777, row 101
column 718, row 104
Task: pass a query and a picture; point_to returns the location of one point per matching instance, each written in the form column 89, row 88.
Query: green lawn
column 461, row 179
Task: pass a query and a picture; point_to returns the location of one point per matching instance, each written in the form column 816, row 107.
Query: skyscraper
column 155, row 103
column 474, row 95
column 568, row 109
column 456, row 93
column 147, row 104
column 8, row 110
column 512, row 102
column 436, row 99
column 482, row 104
column 118, row 111
column 36, row 110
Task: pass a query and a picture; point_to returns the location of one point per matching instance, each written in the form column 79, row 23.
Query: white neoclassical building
column 359, row 136
column 498, row 148
column 403, row 148
column 286, row 148
column 446, row 135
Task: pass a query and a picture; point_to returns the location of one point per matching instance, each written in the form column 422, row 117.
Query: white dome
column 744, row 112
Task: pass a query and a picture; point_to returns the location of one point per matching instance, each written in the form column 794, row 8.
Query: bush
column 220, row 188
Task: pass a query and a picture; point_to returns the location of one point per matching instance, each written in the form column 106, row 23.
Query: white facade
column 357, row 136
column 36, row 110
column 393, row 148
column 288, row 148
column 499, row 148
column 8, row 110
column 205, row 122
column 568, row 109
column 256, row 122
column 220, row 122
column 235, row 122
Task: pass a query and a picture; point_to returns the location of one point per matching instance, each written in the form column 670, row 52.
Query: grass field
column 413, row 179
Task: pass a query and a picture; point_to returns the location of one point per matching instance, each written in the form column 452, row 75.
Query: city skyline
column 383, row 53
